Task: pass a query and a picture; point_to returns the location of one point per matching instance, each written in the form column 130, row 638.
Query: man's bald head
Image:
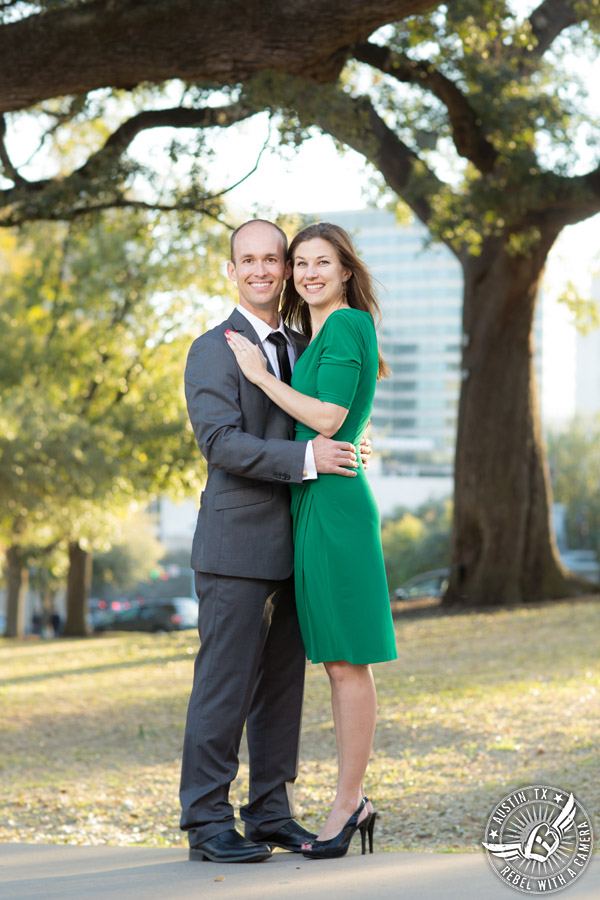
column 249, row 223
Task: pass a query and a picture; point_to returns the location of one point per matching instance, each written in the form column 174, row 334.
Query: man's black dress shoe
column 230, row 847
column 290, row 836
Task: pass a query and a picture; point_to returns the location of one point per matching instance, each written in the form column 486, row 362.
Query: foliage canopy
column 96, row 321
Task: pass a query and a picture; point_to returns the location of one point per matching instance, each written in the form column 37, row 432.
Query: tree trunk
column 17, row 581
column 78, row 590
column 503, row 549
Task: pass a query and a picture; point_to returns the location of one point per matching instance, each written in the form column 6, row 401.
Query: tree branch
column 72, row 213
column 76, row 104
column 548, row 20
column 121, row 43
column 49, row 199
column 467, row 131
column 176, row 117
column 9, row 169
column 570, row 200
column 248, row 174
column 356, row 123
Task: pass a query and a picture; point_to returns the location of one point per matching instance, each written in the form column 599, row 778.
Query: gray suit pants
column 249, row 669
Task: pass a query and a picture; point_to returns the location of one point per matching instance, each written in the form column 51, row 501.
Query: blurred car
column 427, row 584
column 159, row 615
column 100, row 611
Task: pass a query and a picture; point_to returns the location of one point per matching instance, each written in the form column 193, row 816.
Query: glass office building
column 587, row 365
column 420, row 292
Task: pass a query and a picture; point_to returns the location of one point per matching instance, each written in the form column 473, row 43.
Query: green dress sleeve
column 340, row 361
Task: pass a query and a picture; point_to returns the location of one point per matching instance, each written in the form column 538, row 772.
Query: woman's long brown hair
column 359, row 287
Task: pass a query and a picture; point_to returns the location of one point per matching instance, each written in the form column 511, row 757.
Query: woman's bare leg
column 354, row 704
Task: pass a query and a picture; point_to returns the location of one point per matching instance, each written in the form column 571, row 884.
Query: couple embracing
column 283, row 577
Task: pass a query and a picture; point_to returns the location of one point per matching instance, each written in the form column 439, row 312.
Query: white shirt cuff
column 310, row 466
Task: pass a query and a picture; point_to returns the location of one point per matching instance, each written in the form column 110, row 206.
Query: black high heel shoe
column 338, row 845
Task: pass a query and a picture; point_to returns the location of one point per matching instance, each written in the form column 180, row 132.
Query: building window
column 406, row 348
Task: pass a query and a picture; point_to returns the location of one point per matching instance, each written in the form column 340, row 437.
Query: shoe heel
column 366, row 828
column 370, row 829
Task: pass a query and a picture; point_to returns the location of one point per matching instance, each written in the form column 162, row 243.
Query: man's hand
column 365, row 451
column 332, row 456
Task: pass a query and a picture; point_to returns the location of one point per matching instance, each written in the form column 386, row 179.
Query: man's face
column 259, row 267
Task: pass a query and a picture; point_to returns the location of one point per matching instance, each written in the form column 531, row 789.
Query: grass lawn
column 477, row 705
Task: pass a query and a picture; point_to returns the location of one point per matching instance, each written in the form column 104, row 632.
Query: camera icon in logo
column 543, row 841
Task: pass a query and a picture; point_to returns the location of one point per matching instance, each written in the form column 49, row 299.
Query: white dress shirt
column 263, row 331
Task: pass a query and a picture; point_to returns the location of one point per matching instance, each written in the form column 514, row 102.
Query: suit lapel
column 240, row 323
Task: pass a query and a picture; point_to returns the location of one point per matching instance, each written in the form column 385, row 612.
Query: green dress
column 341, row 589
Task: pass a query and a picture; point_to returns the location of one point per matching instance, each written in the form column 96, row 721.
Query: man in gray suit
column 251, row 662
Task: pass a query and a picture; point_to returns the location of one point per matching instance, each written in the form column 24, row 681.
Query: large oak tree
column 490, row 86
column 476, row 78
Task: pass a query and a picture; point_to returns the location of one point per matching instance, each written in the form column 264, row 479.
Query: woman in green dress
column 341, row 589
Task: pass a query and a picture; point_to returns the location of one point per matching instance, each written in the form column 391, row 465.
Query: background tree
column 133, row 552
column 97, row 320
column 574, row 456
column 416, row 541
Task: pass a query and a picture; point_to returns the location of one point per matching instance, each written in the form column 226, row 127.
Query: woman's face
column 318, row 274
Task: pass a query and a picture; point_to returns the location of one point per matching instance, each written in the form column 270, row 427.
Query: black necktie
column 285, row 370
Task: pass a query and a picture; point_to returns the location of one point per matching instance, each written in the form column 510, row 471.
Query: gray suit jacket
column 244, row 524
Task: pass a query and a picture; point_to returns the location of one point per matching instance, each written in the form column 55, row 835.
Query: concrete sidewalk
column 61, row 872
